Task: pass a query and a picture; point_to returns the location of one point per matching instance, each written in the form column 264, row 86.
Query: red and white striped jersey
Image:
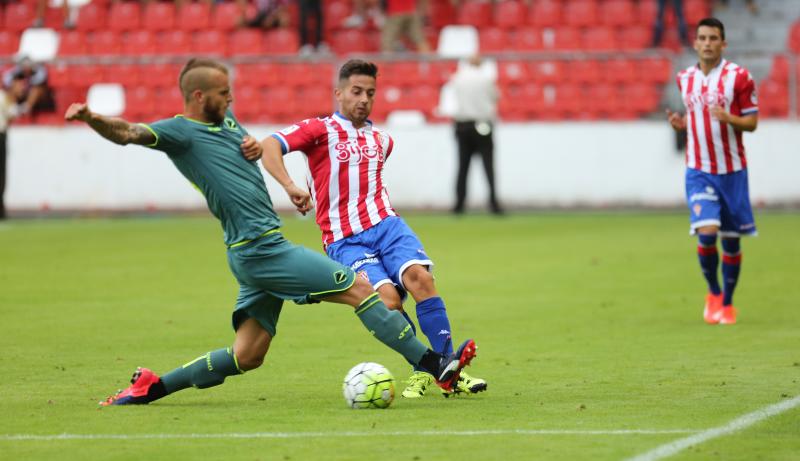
column 713, row 146
column 346, row 172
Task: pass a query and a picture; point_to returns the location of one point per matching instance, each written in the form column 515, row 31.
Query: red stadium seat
column 642, row 98
column 566, row 38
column 695, row 10
column 545, row 13
column 317, row 101
column 646, row 12
column 493, row 39
column 246, row 42
column 104, row 42
column 350, row 41
column 58, row 75
column 474, row 13
column 510, row 14
column 617, row 13
column 280, row 105
column 634, row 37
column 140, row 103
column 282, row 42
column 599, row 38
column 442, row 13
column 159, row 16
column 423, row 98
column 72, row 43
column 124, row 16
column 139, row 43
column 64, row 97
column 526, row 39
column 226, row 16
column 547, row 71
column 194, row 16
column 512, row 72
column 584, row 71
column 581, row 13
column 773, row 99
column 169, row 101
column 322, row 74
column 18, row 17
column 54, row 18
column 335, row 13
column 127, row 75
column 211, row 43
column 602, row 101
column 160, row 75
column 399, row 73
column 247, row 102
column 86, row 75
column 92, row 16
column 655, row 70
column 620, row 70
column 779, row 72
column 174, row 43
column 301, row 73
column 9, row 42
column 258, row 75
column 794, row 37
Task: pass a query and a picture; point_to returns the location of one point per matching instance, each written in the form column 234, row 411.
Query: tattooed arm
column 115, row 130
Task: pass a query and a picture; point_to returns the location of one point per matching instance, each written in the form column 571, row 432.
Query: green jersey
column 210, row 157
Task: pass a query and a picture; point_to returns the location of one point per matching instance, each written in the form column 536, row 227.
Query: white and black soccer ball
column 368, row 385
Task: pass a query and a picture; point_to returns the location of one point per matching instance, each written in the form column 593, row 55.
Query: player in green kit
column 206, row 144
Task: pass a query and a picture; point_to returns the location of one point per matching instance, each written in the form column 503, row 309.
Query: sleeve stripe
column 751, row 110
column 152, row 131
column 284, row 144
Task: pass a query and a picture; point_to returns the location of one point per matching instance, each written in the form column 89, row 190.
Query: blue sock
column 709, row 260
column 433, row 321
column 731, row 264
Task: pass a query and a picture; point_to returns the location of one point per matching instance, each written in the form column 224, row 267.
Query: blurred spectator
column 363, row 11
column 474, row 114
column 270, row 14
column 41, row 9
column 311, row 9
column 658, row 32
column 751, row 5
column 403, row 20
column 7, row 112
column 27, row 84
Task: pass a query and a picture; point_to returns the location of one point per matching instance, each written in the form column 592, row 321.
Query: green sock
column 390, row 328
column 207, row 370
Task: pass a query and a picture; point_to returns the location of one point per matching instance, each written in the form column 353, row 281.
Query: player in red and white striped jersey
column 346, row 155
column 721, row 103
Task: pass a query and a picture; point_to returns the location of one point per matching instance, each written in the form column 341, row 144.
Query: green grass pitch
column 588, row 325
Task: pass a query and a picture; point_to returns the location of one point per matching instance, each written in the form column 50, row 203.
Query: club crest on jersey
column 348, row 150
column 339, row 277
column 230, row 124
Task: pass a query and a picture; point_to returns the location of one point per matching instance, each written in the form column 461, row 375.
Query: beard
column 214, row 113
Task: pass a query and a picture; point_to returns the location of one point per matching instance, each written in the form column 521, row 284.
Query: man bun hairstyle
column 358, row 67
column 713, row 22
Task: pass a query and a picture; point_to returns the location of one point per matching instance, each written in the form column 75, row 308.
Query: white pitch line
column 294, row 435
column 742, row 422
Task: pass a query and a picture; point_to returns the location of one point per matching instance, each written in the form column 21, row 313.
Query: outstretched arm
column 115, row 130
column 272, row 160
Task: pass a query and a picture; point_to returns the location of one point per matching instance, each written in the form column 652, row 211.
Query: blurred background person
column 26, row 82
column 363, row 11
column 474, row 113
column 270, row 14
column 658, row 28
column 403, row 20
column 7, row 113
column 311, row 10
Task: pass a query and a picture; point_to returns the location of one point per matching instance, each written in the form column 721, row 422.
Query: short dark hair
column 358, row 67
column 712, row 22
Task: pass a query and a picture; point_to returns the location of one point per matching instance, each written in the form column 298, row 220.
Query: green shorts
column 272, row 269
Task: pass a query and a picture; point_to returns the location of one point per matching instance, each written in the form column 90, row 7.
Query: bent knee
column 249, row 361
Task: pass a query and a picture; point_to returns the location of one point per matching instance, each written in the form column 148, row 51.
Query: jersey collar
column 345, row 122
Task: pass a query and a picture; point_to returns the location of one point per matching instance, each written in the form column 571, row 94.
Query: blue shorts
column 381, row 253
column 720, row 200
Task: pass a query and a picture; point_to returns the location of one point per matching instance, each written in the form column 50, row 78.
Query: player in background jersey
column 217, row 155
column 360, row 229
column 721, row 103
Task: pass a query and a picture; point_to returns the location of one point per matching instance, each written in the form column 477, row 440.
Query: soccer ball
column 368, row 385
